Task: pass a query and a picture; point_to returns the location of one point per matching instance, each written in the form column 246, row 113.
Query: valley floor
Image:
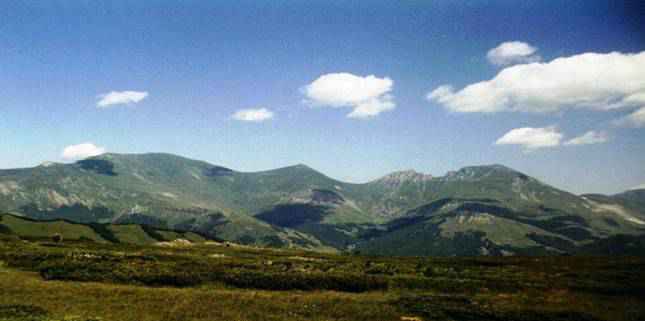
column 43, row 282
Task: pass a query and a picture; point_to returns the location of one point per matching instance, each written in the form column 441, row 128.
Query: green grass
column 89, row 280
column 34, row 229
column 132, row 234
column 29, row 229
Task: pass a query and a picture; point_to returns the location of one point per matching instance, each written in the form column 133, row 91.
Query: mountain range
column 477, row 210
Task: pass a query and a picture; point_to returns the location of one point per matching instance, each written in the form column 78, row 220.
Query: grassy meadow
column 85, row 280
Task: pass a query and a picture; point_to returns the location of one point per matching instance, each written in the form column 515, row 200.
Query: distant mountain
column 629, row 205
column 636, row 197
column 475, row 210
column 499, row 211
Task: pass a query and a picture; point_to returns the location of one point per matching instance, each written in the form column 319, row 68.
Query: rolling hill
column 476, row 210
column 20, row 227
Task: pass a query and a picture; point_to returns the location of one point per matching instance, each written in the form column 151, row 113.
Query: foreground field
column 90, row 281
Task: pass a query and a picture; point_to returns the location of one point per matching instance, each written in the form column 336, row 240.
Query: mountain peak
column 137, row 155
column 399, row 177
column 481, row 171
column 297, row 167
column 496, row 167
column 48, row 164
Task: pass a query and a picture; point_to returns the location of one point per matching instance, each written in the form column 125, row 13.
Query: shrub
column 183, row 274
column 22, row 312
column 5, row 229
column 305, row 282
column 57, row 238
column 385, row 269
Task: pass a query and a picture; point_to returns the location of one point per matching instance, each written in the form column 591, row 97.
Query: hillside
column 24, row 228
column 476, row 210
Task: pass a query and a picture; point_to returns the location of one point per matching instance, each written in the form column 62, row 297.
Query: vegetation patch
column 305, row 282
column 99, row 166
column 5, row 229
column 293, row 215
column 141, row 219
column 462, row 308
column 218, row 171
column 277, row 284
column 77, row 213
column 19, row 312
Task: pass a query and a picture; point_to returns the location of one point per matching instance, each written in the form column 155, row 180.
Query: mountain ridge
column 449, row 173
column 152, row 155
column 298, row 206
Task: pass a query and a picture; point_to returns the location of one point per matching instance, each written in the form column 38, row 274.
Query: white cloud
column 81, row 151
column 532, row 138
column 368, row 96
column 253, row 115
column 586, row 81
column 635, row 119
column 590, row 137
column 120, row 98
column 512, row 52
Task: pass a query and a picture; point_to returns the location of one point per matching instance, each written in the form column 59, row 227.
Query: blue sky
column 195, row 64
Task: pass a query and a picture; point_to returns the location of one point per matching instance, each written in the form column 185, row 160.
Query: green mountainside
column 20, row 227
column 491, row 209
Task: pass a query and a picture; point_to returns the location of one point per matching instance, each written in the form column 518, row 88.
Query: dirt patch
column 616, row 209
column 8, row 187
column 176, row 243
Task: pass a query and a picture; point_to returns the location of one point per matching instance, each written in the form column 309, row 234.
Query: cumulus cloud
column 512, row 52
column 587, row 81
column 532, row 138
column 635, row 119
column 590, row 137
column 368, row 96
column 81, row 151
column 120, row 98
column 253, row 115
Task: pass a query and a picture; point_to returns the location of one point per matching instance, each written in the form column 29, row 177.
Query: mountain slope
column 16, row 226
column 496, row 210
column 163, row 190
column 633, row 198
column 475, row 227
